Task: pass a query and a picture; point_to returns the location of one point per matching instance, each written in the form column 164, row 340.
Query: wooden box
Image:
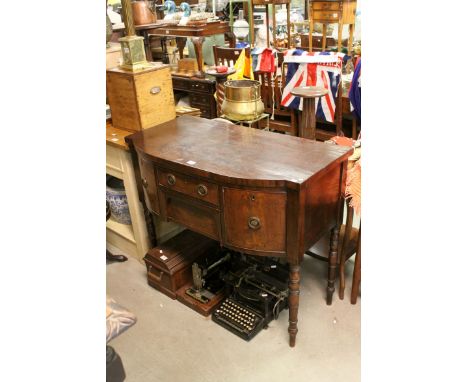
column 169, row 265
column 139, row 100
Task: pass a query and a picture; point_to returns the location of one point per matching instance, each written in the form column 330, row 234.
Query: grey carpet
column 172, row 343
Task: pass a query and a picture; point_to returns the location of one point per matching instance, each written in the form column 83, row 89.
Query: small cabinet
column 255, row 220
column 148, row 181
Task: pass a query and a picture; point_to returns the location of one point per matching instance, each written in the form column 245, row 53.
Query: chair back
column 228, row 56
column 271, row 89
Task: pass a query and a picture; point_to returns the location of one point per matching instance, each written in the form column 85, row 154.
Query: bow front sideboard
column 254, row 191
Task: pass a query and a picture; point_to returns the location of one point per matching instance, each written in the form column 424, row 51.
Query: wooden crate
column 139, row 100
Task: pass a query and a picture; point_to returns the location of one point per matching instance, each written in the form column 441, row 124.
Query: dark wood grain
column 235, row 154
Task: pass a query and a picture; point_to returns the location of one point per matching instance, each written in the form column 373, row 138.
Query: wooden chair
column 228, row 56
column 285, row 119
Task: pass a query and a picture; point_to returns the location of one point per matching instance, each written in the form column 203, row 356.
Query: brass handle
column 154, row 276
column 145, row 182
column 254, row 223
column 202, row 190
column 155, row 90
column 171, row 179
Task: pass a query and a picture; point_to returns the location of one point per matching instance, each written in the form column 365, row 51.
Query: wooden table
column 254, row 191
column 197, row 34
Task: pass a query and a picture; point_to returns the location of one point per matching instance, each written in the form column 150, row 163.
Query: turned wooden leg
column 347, row 235
column 197, row 44
column 357, row 271
column 324, row 37
column 332, row 257
column 181, row 41
column 340, row 34
column 350, row 39
column 307, row 122
column 293, row 301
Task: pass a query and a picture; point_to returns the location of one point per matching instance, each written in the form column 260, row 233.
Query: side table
column 307, row 119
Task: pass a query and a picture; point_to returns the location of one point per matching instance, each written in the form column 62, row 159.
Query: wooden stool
column 307, row 121
column 220, row 80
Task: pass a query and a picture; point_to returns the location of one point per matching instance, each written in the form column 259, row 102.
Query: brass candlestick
column 133, row 49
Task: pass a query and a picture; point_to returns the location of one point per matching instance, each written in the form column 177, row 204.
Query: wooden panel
column 155, row 108
column 326, row 5
column 322, row 205
column 122, row 101
column 180, row 84
column 193, row 187
column 148, row 179
column 255, row 220
column 200, row 219
column 349, row 13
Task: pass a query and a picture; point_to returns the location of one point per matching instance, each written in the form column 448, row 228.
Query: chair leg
column 344, row 244
column 357, row 271
column 332, row 257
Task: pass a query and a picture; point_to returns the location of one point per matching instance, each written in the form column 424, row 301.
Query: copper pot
column 142, row 13
column 242, row 100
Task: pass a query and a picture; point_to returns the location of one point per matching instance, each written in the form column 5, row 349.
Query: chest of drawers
column 201, row 93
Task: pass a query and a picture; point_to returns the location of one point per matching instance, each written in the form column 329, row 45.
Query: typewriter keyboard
column 238, row 319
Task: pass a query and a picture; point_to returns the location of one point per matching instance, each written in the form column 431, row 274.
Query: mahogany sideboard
column 254, row 191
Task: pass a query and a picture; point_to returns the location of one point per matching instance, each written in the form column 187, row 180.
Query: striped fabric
column 313, row 69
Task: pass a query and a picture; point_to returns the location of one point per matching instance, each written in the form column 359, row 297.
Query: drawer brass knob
column 254, row 223
column 144, row 182
column 202, row 190
column 171, row 179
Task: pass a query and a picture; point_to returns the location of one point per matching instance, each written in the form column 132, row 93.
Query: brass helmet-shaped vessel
column 242, row 100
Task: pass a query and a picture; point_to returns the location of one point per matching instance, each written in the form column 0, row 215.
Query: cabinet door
column 255, row 220
column 148, row 180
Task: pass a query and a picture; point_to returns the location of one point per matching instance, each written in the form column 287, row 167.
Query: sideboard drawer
column 148, row 180
column 255, row 219
column 200, row 86
column 180, row 84
column 204, row 220
column 326, row 5
column 193, row 187
column 200, row 99
column 331, row 16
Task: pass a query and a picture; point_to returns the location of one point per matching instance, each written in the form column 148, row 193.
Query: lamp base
column 133, row 54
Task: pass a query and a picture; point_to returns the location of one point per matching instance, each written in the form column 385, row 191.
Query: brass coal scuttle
column 242, row 100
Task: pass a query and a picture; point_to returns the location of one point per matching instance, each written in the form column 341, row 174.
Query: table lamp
column 133, row 50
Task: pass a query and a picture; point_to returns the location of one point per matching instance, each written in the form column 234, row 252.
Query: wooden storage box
column 169, row 265
column 139, row 100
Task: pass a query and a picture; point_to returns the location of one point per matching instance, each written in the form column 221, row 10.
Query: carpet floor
column 172, row 343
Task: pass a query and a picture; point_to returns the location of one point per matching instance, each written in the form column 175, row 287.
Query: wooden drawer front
column 148, row 180
column 197, row 99
column 255, row 219
column 326, row 5
column 193, row 187
column 204, row 220
column 180, row 84
column 200, row 87
column 331, row 16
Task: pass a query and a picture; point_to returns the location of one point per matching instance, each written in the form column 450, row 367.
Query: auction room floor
column 172, row 343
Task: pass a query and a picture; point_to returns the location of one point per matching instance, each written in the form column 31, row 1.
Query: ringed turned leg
column 198, row 44
column 332, row 257
column 294, row 277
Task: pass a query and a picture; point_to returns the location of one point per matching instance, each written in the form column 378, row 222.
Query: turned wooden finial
column 127, row 16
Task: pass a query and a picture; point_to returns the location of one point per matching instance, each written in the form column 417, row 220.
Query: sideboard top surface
column 218, row 149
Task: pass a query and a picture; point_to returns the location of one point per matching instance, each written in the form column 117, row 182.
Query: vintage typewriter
column 258, row 293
